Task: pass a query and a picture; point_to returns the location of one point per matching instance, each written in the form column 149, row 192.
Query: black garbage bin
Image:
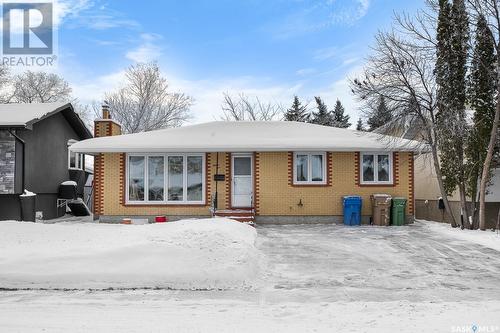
column 28, row 206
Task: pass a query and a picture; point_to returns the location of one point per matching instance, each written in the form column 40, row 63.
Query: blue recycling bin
column 352, row 210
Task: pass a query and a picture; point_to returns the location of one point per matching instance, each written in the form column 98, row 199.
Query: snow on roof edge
column 247, row 137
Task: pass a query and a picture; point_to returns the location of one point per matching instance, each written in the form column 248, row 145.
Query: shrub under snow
column 190, row 254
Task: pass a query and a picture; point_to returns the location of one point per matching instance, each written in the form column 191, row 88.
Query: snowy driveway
column 331, row 263
column 319, row 278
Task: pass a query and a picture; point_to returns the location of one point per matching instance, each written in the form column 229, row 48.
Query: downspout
column 23, row 144
column 216, row 203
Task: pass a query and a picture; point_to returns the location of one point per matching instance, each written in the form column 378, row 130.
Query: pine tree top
column 297, row 112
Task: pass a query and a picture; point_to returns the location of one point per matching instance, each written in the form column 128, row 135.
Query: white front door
column 242, row 181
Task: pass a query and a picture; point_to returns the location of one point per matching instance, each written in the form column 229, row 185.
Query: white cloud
column 64, row 9
column 348, row 14
column 147, row 51
column 341, row 90
column 208, row 94
column 317, row 15
column 93, row 88
column 86, row 13
column 306, row 71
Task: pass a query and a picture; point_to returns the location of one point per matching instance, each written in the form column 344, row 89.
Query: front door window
column 242, row 181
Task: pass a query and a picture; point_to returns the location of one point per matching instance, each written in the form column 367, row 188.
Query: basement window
column 376, row 168
column 309, row 168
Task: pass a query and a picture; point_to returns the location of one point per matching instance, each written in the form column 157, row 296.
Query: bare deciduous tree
column 401, row 70
column 242, row 107
column 491, row 10
column 39, row 87
column 5, row 93
column 145, row 103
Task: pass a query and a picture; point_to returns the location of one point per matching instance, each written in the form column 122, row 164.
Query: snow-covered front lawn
column 189, row 254
column 487, row 238
column 425, row 277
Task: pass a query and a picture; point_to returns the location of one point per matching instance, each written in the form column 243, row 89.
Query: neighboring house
column 34, row 154
column 281, row 171
column 427, row 193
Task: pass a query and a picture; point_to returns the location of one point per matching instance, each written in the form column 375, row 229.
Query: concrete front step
column 237, row 214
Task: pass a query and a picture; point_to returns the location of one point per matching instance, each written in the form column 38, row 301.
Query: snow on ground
column 164, row 311
column 190, row 254
column 486, row 238
column 318, row 278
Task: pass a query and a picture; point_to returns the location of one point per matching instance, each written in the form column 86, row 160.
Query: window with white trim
column 75, row 160
column 309, row 168
column 376, row 168
column 166, row 178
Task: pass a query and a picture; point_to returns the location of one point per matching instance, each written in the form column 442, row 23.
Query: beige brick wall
column 114, row 187
column 276, row 195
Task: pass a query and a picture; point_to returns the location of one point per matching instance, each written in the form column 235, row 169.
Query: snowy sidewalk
column 168, row 311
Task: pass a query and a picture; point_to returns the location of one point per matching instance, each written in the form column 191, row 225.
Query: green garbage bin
column 398, row 211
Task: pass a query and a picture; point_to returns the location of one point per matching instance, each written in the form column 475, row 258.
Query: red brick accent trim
column 356, row 168
column 208, row 178
column 290, row 168
column 411, row 185
column 99, row 185
column 256, row 182
column 122, row 178
column 228, row 180
column 395, row 162
column 329, row 171
column 329, row 168
column 395, row 172
column 109, row 130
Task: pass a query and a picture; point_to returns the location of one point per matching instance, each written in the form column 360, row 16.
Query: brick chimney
column 106, row 126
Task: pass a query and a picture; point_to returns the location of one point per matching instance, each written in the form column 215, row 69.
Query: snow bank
column 485, row 238
column 190, row 254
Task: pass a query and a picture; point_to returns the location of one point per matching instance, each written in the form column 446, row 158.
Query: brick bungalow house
column 278, row 172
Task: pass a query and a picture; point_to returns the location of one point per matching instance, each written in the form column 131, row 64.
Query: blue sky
column 273, row 49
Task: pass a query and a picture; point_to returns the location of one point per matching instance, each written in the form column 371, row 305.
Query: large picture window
column 309, row 168
column 376, row 168
column 167, row 178
column 7, row 162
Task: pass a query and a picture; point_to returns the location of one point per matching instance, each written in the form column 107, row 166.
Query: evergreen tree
column 482, row 87
column 340, row 119
column 359, row 125
column 380, row 116
column 297, row 112
column 443, row 77
column 323, row 116
column 451, row 68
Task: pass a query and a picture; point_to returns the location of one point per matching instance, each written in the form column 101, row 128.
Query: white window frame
column 309, row 169
column 165, row 201
column 79, row 157
column 375, row 169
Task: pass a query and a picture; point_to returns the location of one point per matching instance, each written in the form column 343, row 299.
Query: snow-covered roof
column 246, row 136
column 25, row 114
